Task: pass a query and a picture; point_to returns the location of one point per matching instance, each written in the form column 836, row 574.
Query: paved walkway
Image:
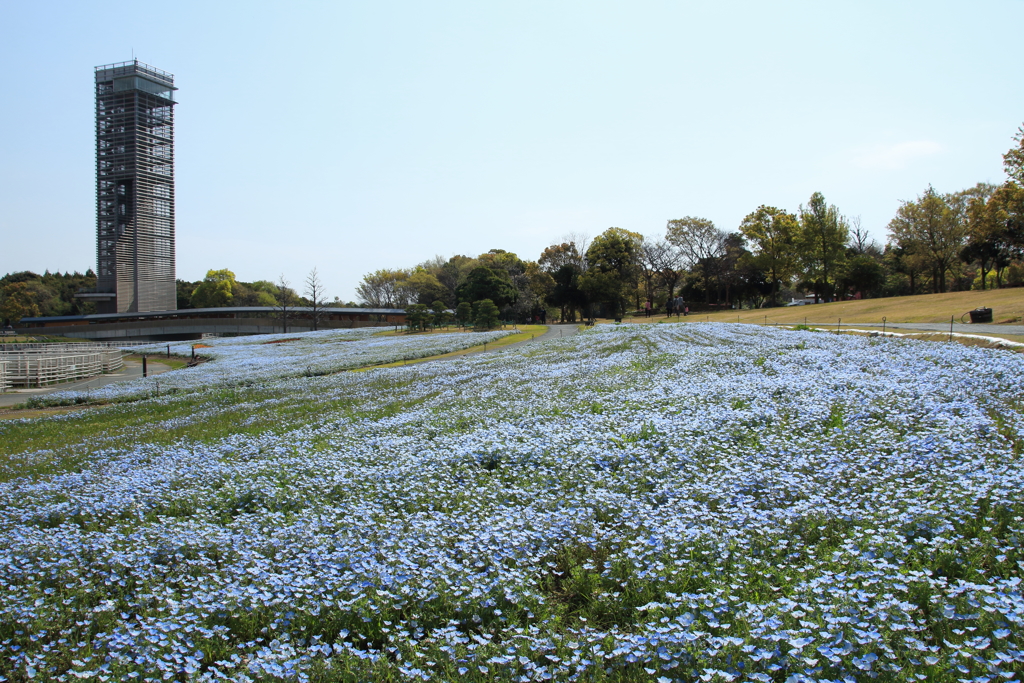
column 132, row 370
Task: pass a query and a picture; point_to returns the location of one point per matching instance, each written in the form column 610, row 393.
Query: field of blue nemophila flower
column 257, row 359
column 637, row 503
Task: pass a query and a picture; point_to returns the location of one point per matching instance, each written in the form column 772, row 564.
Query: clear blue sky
column 353, row 136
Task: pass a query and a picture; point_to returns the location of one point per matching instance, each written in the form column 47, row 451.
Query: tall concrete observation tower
column 134, row 189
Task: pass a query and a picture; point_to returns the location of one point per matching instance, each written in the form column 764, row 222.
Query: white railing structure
column 39, row 365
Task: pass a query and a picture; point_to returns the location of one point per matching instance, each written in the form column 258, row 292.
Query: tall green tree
column 184, row 289
column 464, row 313
column 492, row 284
column 934, row 229
column 216, row 289
column 487, row 315
column 863, row 273
column 703, row 246
column 384, row 288
column 424, row 286
column 54, row 293
column 566, row 293
column 773, row 232
column 17, row 302
column 440, row 310
column 558, row 255
column 821, row 244
column 258, row 293
column 453, row 273
column 995, row 231
column 417, row 316
column 613, row 269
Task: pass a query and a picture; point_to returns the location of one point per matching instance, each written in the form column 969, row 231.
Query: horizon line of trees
column 971, row 239
column 26, row 294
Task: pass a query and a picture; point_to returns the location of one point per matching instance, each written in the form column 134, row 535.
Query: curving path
column 132, row 370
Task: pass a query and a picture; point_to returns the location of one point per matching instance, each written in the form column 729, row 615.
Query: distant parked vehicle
column 796, row 302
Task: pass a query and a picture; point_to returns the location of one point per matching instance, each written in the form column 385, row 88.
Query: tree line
column 25, row 294
column 969, row 239
column 972, row 238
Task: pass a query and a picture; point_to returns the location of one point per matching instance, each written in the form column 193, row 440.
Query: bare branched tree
column 384, row 289
column 650, row 257
column 286, row 300
column 315, row 293
column 581, row 241
column 860, row 240
column 665, row 260
column 697, row 238
column 701, row 244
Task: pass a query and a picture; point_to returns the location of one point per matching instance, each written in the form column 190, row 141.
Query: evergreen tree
column 487, row 315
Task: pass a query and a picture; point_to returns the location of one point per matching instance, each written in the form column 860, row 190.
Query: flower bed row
column 255, row 360
column 669, row 503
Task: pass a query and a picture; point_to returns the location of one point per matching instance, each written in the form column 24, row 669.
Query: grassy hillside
column 1007, row 306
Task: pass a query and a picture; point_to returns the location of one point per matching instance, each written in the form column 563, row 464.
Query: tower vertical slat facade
column 135, row 188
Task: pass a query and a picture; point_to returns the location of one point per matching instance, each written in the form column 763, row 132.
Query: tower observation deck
column 134, row 189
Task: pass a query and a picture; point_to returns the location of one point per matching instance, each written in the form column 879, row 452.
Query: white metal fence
column 39, row 365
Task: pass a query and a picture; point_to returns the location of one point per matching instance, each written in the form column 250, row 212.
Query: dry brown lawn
column 1007, row 306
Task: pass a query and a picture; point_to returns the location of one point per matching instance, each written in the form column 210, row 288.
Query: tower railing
column 135, row 66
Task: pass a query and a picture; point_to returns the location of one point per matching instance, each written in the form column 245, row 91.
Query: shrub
column 464, row 313
column 486, row 315
column 417, row 317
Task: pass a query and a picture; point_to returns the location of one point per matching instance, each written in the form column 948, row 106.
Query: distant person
column 647, row 308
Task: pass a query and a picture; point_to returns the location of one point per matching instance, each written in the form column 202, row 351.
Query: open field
column 635, row 503
column 1007, row 306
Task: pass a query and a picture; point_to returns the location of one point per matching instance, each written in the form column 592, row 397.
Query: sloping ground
column 637, row 503
column 1007, row 306
column 258, row 359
